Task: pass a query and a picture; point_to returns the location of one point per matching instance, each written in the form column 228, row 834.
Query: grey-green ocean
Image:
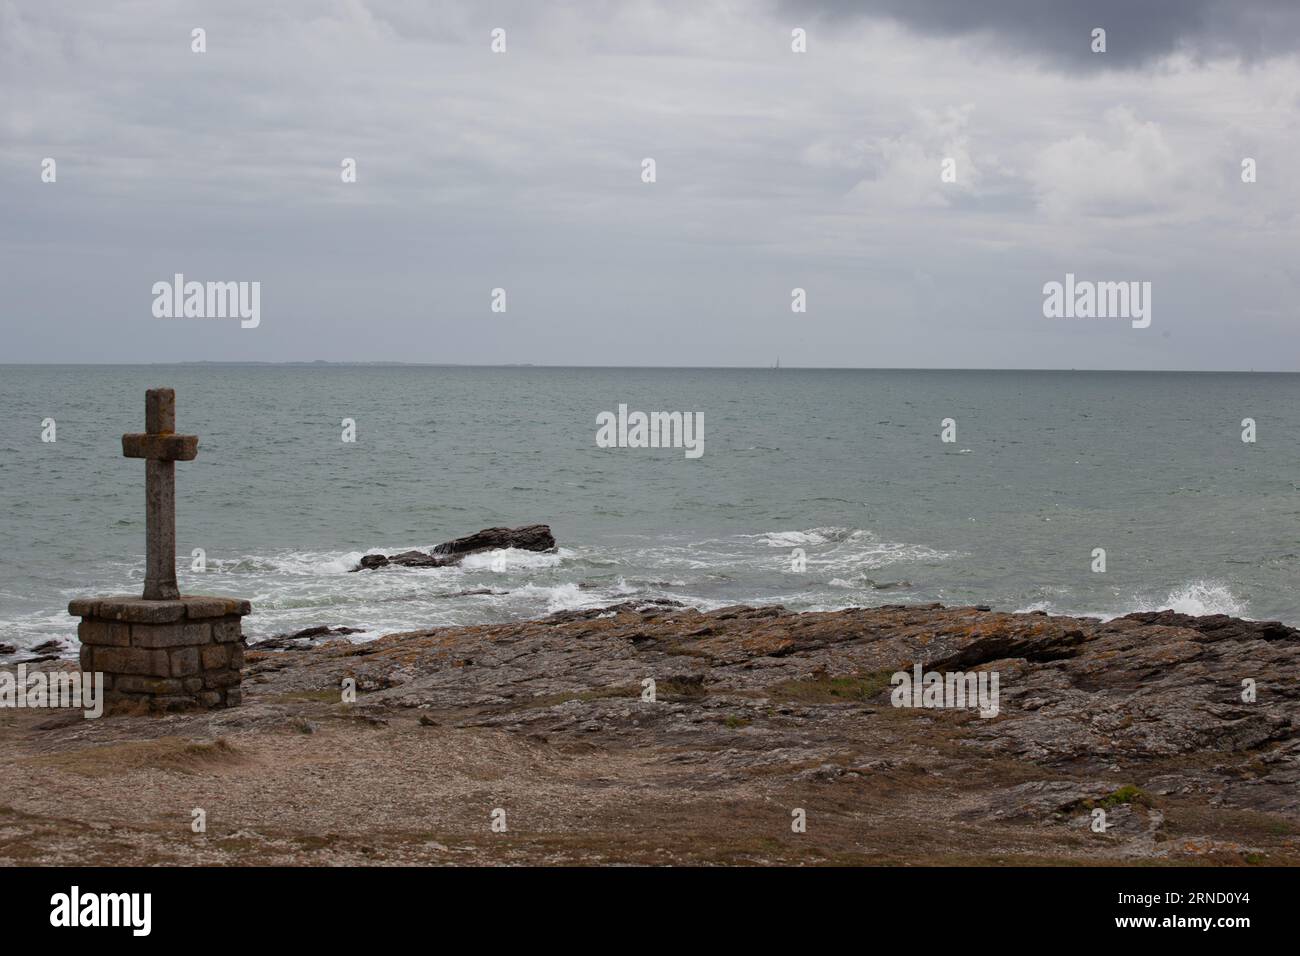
column 845, row 469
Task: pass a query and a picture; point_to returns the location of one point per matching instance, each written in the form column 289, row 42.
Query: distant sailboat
column 778, row 362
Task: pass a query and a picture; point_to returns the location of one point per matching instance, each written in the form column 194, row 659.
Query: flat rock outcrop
column 648, row 732
column 307, row 637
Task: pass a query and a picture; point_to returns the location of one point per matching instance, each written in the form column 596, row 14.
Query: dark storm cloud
column 1059, row 31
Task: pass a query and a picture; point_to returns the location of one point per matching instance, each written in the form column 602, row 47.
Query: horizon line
column 381, row 363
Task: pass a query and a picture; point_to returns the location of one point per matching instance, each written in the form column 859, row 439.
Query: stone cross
column 161, row 448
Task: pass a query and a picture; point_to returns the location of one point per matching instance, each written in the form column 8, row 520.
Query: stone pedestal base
column 169, row 654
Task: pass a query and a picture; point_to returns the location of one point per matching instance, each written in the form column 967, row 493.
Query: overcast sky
column 775, row 170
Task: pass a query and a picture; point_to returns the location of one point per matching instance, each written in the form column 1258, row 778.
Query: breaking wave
column 1202, row 597
column 1197, row 598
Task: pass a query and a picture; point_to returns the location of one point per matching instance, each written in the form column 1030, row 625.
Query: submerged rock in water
column 888, row 585
column 532, row 537
column 407, row 559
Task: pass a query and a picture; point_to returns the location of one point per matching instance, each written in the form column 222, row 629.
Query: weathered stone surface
column 170, row 702
column 307, row 637
column 160, row 530
column 200, row 649
column 1219, row 627
column 134, row 609
column 111, row 633
column 137, row 684
column 132, row 660
column 202, row 606
column 757, row 710
column 533, row 537
column 1076, row 693
column 184, row 661
column 180, row 634
column 406, row 559
column 215, row 656
column 220, row 678
column 160, row 410
column 226, row 630
column 160, row 447
column 137, row 610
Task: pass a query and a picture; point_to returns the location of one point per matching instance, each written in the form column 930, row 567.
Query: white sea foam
column 875, row 556
column 861, row 582
column 1197, row 598
column 294, row 589
column 560, row 597
column 1202, row 597
column 1047, row 607
column 512, row 559
column 845, row 550
column 811, row 536
column 288, row 562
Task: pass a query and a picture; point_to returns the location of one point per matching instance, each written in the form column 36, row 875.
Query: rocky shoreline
column 759, row 712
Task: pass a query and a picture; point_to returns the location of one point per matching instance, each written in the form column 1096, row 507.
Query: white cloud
column 1125, row 167
column 477, row 170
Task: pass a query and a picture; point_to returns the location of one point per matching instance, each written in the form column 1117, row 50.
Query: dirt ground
column 532, row 744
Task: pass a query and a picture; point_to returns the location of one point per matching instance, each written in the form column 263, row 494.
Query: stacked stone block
column 171, row 655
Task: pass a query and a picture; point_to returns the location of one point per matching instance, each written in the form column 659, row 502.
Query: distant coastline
column 323, row 363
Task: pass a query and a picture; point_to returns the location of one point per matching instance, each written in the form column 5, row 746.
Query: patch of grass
column 314, row 843
column 684, row 650
column 329, row 695
column 208, row 750
column 162, row 753
column 126, row 707
column 736, row 723
column 1125, row 794
column 832, row 690
column 681, row 688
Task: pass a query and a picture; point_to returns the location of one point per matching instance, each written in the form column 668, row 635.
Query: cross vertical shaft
column 160, row 531
column 161, row 448
column 160, row 502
